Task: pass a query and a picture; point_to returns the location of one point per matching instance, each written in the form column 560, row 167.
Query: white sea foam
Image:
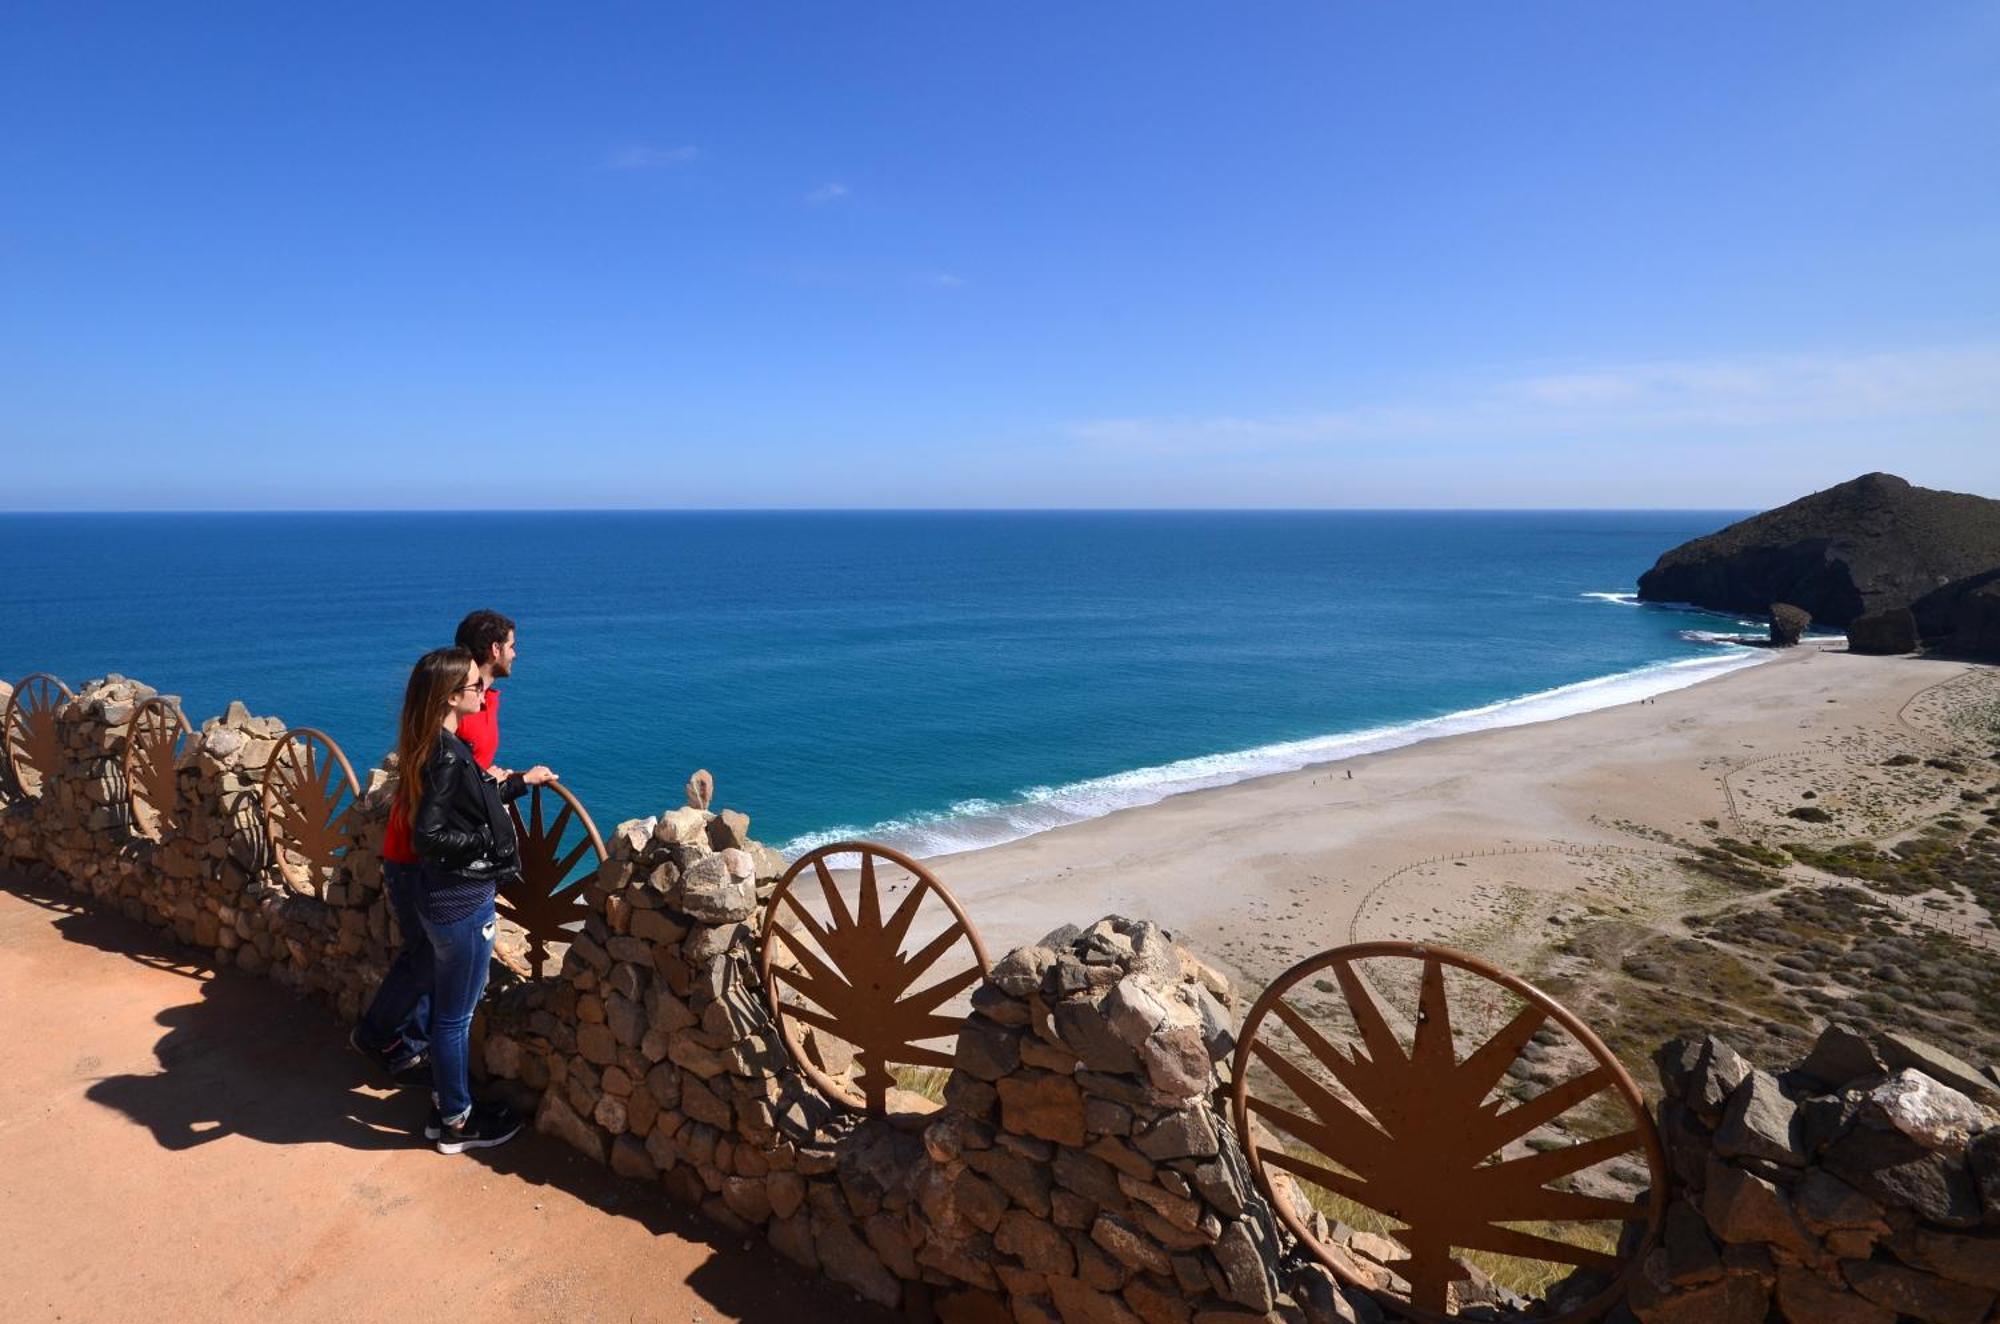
column 972, row 824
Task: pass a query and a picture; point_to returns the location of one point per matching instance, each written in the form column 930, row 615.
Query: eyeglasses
column 477, row 687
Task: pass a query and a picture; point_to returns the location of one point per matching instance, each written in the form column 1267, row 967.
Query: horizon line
column 885, row 510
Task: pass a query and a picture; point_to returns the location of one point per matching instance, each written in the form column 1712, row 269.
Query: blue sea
column 937, row 680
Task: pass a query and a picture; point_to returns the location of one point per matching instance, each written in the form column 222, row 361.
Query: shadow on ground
column 245, row 1057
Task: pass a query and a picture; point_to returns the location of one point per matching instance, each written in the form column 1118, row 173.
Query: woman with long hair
column 461, row 830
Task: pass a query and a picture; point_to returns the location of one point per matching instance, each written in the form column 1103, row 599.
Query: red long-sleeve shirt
column 481, row 730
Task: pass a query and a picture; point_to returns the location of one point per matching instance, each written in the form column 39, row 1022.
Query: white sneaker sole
column 446, row 1145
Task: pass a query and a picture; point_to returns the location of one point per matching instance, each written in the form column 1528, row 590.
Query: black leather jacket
column 462, row 825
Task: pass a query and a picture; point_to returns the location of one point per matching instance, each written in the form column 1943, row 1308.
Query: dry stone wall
column 1079, row 1166
column 1862, row 1186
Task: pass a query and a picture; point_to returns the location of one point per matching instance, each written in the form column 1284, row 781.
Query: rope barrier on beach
column 1558, row 848
column 1956, row 926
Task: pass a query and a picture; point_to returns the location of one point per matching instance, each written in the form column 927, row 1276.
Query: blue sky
column 1537, row 254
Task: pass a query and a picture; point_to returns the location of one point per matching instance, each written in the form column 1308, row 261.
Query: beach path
column 178, row 1143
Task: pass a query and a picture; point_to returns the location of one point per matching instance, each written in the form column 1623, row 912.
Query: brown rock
column 657, row 927
column 1189, row 1133
column 1971, row 1260
column 1035, row 1242
column 1128, row 1245
column 1690, row 1255
column 631, row 1158
column 1026, row 1182
column 787, row 1193
column 1096, row 1268
column 1156, row 1302
column 556, row 1118
column 1759, row 1123
column 846, row 1258
column 1841, row 1055
column 1806, row 1298
column 596, row 1045
column 1923, row 1295
column 987, row 1050
column 1045, row 1105
column 748, row 1198
column 1243, row 1265
column 1176, row 1061
column 1889, row 1167
column 1079, row 1303
column 792, row 1238
column 1734, row 1300
column 1825, row 1202
column 1745, row 1209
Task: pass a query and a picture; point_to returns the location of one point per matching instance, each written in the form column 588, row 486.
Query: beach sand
column 1489, row 840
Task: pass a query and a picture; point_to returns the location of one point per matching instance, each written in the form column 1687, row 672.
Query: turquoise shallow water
column 939, row 680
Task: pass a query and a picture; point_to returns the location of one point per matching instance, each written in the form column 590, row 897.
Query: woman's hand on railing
column 539, row 776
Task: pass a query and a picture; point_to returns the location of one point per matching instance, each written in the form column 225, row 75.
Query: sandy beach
column 1488, row 840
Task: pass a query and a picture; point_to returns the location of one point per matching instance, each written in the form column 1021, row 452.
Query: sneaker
column 385, row 1058
column 411, row 1065
column 434, row 1124
column 489, row 1124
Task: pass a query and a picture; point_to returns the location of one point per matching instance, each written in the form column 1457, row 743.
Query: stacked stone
column 202, row 871
column 209, row 878
column 1087, row 1150
column 80, row 806
column 1861, row 1186
column 652, row 1049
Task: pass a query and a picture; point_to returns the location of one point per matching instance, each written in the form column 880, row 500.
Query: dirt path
column 180, row 1144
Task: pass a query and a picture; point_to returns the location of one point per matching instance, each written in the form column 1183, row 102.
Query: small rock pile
column 1088, row 1157
column 1860, row 1187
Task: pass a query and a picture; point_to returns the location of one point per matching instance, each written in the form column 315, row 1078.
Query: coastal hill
column 1871, row 544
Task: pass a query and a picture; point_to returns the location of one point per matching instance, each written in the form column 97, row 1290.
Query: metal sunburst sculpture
column 845, row 972
column 33, row 745
column 541, row 899
column 1416, row 1133
column 153, row 744
column 307, row 789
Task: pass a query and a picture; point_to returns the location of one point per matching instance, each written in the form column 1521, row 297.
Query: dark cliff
column 1867, row 545
column 1963, row 617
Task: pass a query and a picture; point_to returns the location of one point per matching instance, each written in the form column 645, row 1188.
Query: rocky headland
column 1858, row 556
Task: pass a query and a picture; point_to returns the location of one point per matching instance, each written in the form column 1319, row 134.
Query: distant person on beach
column 395, row 1031
column 460, row 827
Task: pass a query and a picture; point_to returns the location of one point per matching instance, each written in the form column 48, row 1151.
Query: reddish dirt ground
column 181, row 1143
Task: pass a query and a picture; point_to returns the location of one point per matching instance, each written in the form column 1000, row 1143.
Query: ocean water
column 940, row 681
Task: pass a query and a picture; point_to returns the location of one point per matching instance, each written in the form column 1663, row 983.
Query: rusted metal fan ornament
column 541, row 900
column 29, row 732
column 838, row 967
column 153, row 744
column 1402, row 1125
column 308, row 786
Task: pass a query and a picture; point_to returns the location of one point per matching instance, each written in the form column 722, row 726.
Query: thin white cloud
column 825, row 193
column 639, row 156
column 1687, row 397
column 944, row 280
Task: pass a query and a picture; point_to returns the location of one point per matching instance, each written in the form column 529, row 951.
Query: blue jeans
column 462, row 950
column 402, row 1006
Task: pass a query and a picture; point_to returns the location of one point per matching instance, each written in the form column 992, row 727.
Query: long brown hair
column 434, row 682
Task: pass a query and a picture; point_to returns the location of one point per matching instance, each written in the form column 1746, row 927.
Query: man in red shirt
column 395, row 1030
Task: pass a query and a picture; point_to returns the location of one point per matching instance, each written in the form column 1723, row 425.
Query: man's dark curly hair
column 479, row 632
